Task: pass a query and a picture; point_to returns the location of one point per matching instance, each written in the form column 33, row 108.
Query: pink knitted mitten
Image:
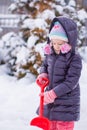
column 41, row 76
column 49, row 96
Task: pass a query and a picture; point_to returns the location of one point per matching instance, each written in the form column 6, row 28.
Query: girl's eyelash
column 55, row 43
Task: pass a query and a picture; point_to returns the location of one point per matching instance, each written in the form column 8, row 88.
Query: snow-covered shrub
column 46, row 11
column 18, row 56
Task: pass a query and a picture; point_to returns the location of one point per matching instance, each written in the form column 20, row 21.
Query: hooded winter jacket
column 64, row 71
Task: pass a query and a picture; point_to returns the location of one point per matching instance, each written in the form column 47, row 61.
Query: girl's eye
column 54, row 43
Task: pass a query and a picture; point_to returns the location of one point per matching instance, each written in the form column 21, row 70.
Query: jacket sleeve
column 72, row 77
column 44, row 65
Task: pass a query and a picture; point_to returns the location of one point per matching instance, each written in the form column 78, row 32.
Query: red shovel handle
column 44, row 82
column 42, row 85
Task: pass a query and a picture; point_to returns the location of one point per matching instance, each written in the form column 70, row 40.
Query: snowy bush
column 43, row 12
column 19, row 57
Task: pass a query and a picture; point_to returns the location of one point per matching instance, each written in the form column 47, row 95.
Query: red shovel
column 41, row 121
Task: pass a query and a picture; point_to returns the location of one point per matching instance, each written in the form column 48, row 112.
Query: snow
column 19, row 100
column 39, row 48
column 82, row 124
column 72, row 3
column 83, row 53
column 47, row 14
column 31, row 41
column 62, row 2
column 15, row 109
column 82, row 14
column 32, row 24
column 22, row 55
column 1, row 29
column 12, row 7
column 9, row 39
column 24, row 1
column 59, row 9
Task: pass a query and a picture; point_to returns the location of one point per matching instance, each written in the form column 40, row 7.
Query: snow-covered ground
column 19, row 100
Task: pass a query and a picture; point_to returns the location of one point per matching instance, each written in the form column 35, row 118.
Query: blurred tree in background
column 34, row 27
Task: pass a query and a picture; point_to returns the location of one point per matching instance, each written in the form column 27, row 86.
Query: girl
column 62, row 65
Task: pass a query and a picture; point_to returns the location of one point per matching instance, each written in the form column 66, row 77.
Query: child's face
column 57, row 45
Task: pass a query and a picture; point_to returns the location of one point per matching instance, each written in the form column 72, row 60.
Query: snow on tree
column 19, row 57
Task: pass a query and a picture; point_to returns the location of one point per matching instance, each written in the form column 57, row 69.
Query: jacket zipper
column 53, row 71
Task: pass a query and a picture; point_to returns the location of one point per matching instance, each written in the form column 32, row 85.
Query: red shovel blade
column 41, row 122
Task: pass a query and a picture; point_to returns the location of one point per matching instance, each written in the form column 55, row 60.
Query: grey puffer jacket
column 64, row 71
